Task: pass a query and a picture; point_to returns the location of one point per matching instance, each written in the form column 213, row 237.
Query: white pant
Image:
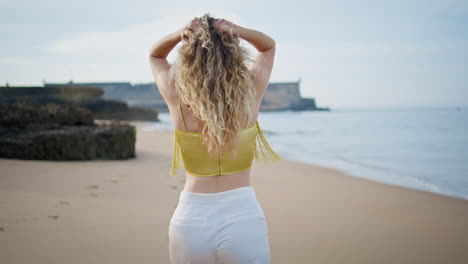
column 222, row 227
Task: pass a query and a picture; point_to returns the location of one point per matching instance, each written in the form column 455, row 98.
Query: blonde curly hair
column 213, row 78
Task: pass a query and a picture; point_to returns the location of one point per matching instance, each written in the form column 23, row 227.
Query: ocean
column 424, row 149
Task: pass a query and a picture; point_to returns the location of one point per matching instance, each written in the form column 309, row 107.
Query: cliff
column 278, row 97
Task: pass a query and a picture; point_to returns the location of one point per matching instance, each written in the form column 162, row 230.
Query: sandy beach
column 119, row 212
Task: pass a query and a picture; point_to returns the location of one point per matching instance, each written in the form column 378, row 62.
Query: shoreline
column 118, row 212
column 359, row 176
column 346, row 172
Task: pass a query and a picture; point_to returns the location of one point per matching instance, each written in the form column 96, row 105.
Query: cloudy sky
column 347, row 53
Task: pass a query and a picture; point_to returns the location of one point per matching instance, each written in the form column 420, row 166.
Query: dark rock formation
column 54, row 132
column 23, row 115
column 117, row 110
column 85, row 97
column 63, row 92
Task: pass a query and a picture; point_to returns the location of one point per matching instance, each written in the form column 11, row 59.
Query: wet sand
column 119, row 212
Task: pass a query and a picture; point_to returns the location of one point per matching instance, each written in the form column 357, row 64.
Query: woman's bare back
column 210, row 184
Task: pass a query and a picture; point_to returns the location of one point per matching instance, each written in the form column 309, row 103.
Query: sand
column 119, row 212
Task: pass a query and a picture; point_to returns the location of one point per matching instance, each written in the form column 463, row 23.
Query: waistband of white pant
column 218, row 197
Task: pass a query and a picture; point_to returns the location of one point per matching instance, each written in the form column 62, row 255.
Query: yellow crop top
column 189, row 152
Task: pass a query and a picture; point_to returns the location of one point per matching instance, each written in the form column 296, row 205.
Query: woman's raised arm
column 259, row 40
column 163, row 47
column 263, row 64
column 160, row 67
column 266, row 47
column 158, row 53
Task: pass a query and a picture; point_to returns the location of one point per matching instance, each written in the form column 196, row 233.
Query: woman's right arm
column 259, row 40
column 263, row 64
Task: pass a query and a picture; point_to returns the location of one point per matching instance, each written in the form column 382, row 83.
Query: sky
column 398, row 53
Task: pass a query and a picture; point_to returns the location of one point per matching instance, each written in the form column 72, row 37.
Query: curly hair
column 212, row 77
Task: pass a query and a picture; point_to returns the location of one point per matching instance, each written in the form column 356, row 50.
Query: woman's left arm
column 161, row 49
column 158, row 54
column 160, row 67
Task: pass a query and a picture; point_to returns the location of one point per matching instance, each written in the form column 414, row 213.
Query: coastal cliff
column 278, row 96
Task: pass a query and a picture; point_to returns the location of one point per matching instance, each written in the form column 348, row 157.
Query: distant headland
column 279, row 96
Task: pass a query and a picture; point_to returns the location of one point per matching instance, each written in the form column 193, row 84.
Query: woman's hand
column 190, row 28
column 223, row 26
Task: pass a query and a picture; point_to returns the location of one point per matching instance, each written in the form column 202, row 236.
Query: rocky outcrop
column 24, row 115
column 61, row 92
column 85, row 97
column 53, row 132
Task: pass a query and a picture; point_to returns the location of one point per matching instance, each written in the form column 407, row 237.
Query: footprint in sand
column 2, row 229
column 114, row 181
column 93, row 187
column 64, row 203
column 55, row 217
column 173, row 187
column 93, row 194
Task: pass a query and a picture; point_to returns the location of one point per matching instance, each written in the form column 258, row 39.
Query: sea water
column 425, row 149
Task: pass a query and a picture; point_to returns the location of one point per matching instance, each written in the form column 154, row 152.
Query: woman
column 214, row 100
